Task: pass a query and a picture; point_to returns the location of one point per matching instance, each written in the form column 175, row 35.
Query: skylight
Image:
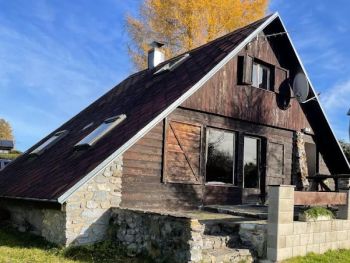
column 172, row 64
column 101, row 130
column 49, row 142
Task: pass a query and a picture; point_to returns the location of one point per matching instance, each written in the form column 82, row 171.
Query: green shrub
column 9, row 156
column 315, row 212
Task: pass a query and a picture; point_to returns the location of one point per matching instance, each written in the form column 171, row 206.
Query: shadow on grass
column 100, row 252
column 10, row 237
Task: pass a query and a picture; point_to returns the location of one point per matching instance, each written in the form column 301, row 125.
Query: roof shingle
column 141, row 96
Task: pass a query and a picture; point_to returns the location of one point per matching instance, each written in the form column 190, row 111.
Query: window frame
column 270, row 79
column 259, row 159
column 47, row 144
column 235, row 153
column 89, row 142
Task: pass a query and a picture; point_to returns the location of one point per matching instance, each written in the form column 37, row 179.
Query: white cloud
column 337, row 97
column 336, row 102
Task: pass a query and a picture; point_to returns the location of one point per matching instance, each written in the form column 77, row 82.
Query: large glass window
column 251, row 162
column 220, row 156
column 261, row 76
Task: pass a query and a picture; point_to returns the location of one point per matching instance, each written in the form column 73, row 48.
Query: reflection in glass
column 255, row 75
column 220, row 156
column 250, row 159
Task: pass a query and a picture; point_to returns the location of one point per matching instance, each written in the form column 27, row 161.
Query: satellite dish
column 300, row 87
column 284, row 95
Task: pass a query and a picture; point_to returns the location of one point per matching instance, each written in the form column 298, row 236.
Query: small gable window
column 49, row 142
column 101, row 130
column 261, row 76
column 253, row 72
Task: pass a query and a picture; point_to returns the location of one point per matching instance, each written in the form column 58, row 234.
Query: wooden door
column 182, row 156
column 276, row 164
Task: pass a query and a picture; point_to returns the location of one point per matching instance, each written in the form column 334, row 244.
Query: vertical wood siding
column 220, row 103
column 183, row 153
column 142, row 185
column 222, row 95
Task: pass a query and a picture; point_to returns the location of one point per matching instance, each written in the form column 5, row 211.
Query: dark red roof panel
column 141, row 97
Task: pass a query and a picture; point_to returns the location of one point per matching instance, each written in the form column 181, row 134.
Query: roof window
column 101, row 130
column 49, row 142
column 171, row 65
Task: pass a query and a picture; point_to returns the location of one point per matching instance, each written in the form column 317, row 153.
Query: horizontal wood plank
column 319, row 198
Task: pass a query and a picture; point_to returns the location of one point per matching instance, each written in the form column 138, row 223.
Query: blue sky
column 57, row 56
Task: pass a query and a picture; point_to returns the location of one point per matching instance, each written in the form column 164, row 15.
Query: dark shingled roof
column 142, row 97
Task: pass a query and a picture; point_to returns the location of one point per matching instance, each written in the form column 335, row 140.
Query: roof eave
column 31, row 199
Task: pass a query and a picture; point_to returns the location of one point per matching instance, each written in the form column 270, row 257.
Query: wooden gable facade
column 176, row 165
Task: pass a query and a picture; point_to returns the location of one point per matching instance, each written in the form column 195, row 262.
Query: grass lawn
column 16, row 247
column 335, row 256
column 22, row 247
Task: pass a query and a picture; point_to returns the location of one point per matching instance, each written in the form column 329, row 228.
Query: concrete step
column 250, row 211
column 225, row 255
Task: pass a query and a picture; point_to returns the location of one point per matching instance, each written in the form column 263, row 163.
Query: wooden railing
column 320, row 198
column 317, row 181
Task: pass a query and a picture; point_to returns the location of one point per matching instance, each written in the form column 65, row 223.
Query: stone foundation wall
column 88, row 209
column 159, row 236
column 254, row 236
column 83, row 219
column 46, row 222
column 175, row 238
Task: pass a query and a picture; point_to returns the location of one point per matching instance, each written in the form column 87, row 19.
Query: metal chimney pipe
column 155, row 54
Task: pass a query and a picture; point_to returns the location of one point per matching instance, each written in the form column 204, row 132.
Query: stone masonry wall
column 46, row 222
column 287, row 238
column 159, row 236
column 300, row 171
column 83, row 219
column 178, row 238
column 88, row 209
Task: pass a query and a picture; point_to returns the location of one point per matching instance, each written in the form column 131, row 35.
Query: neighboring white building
column 6, row 146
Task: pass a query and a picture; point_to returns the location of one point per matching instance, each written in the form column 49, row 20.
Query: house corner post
column 344, row 210
column 280, row 221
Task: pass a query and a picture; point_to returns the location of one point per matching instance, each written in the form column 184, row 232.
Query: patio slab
column 250, row 211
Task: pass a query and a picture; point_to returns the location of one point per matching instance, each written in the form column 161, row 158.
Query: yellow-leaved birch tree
column 185, row 24
column 5, row 130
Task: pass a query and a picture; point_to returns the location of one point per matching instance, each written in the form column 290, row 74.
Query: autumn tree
column 185, row 24
column 5, row 130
